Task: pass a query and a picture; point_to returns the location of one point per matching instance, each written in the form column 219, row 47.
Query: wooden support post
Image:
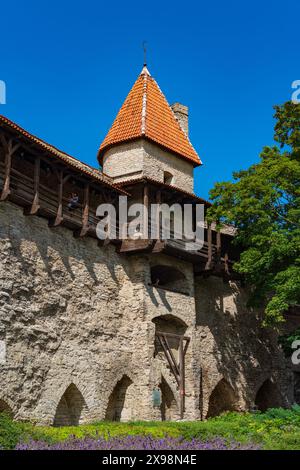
column 158, row 202
column 36, row 183
column 171, row 355
column 219, row 252
column 219, row 244
column 146, row 213
column 181, row 379
column 169, row 359
column 226, row 264
column 209, row 253
column 85, row 214
column 59, row 214
column 201, row 394
column 9, row 151
column 177, row 369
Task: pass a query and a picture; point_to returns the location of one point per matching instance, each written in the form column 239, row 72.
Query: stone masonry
column 76, row 315
column 80, row 323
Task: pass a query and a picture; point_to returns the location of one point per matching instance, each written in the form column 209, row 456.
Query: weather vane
column 145, row 52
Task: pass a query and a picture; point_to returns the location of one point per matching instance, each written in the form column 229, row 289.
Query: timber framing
column 217, row 254
column 40, row 178
column 177, row 367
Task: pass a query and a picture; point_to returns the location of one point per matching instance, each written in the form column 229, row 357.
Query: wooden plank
column 85, row 214
column 10, row 149
column 181, row 379
column 135, row 246
column 168, row 359
column 146, row 212
column 59, row 214
column 36, row 188
column 171, row 353
column 209, row 252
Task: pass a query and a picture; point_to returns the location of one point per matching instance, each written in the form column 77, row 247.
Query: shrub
column 10, row 432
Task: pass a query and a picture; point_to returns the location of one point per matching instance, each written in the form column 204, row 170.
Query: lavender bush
column 137, row 443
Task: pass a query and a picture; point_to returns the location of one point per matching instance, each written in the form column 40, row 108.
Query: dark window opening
column 168, row 177
column 169, row 278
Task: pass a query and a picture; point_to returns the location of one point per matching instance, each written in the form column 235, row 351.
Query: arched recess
column 169, row 324
column 121, row 401
column 169, row 407
column 222, row 398
column 169, row 278
column 268, row 396
column 5, row 408
column 71, row 409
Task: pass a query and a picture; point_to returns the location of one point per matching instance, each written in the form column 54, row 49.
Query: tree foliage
column 263, row 203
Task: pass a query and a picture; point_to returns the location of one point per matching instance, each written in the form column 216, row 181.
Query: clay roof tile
column 146, row 113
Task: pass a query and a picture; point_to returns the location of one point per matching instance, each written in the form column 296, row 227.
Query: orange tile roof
column 146, row 113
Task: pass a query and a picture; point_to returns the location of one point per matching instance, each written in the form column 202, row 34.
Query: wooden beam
column 36, row 185
column 181, row 378
column 171, row 353
column 146, row 212
column 135, row 246
column 218, row 265
column 226, row 263
column 10, row 149
column 59, row 214
column 85, row 214
column 158, row 202
column 168, row 358
column 209, row 252
column 177, row 369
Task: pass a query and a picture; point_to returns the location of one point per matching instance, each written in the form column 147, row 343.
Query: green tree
column 263, row 203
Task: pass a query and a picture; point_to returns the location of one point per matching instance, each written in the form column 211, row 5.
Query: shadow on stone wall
column 233, row 343
column 223, row 398
column 4, row 407
column 268, row 396
column 121, row 401
column 169, row 406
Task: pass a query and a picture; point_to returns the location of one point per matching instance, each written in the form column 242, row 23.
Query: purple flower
column 137, row 443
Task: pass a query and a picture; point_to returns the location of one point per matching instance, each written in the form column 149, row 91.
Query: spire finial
column 145, row 53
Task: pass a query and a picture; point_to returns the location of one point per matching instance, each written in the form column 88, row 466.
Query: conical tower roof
column 146, row 113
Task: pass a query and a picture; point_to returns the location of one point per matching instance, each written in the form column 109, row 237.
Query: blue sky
column 69, row 65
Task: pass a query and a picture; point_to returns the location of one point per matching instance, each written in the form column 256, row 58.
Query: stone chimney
column 182, row 114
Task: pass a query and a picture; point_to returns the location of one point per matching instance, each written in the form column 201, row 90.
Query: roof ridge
column 170, row 107
column 146, row 113
column 144, row 103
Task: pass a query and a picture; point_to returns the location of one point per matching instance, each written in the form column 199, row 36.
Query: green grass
column 275, row 429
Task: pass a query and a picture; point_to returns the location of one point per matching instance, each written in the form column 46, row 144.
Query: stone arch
column 268, row 396
column 169, row 277
column 172, row 325
column 5, row 408
column 222, row 398
column 71, row 409
column 169, row 406
column 121, row 401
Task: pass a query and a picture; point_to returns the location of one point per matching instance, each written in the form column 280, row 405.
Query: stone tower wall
column 143, row 158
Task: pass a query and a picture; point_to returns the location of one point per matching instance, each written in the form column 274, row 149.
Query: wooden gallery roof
column 48, row 149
